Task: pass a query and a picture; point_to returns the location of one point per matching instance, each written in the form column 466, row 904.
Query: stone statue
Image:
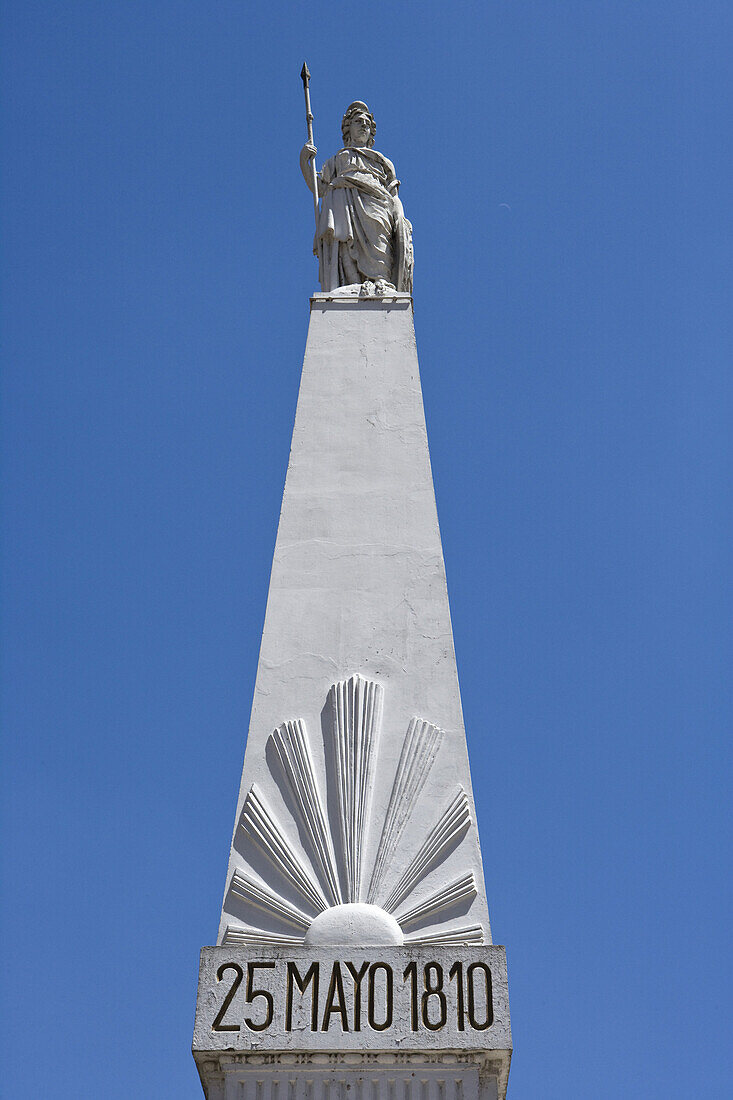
column 363, row 238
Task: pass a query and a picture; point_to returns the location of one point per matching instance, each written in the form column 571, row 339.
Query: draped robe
column 362, row 231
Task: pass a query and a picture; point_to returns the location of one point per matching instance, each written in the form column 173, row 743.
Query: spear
column 305, row 77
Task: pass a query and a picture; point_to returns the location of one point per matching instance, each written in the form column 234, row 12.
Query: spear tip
column 304, row 74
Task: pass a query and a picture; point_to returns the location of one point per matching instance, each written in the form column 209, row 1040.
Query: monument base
column 305, row 1023
column 336, row 1075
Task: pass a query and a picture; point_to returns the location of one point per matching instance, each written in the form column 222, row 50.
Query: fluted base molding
column 338, row 1075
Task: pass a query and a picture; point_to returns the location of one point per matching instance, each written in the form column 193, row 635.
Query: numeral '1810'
column 430, row 1005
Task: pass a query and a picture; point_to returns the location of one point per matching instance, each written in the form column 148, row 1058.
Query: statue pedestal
column 429, row 1023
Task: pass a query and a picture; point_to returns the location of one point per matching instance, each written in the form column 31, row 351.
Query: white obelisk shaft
column 354, row 954
column 358, row 581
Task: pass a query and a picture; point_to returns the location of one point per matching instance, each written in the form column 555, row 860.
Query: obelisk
column 354, row 954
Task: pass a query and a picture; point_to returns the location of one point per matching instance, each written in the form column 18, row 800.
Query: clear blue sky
column 567, row 169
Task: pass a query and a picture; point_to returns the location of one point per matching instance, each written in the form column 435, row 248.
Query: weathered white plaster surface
column 356, row 784
column 354, row 998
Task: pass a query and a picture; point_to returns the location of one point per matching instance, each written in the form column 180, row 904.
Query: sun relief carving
column 341, row 900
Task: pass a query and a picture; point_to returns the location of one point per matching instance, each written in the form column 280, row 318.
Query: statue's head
column 358, row 126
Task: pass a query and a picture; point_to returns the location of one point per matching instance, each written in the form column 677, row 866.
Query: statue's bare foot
column 368, row 289
column 383, row 287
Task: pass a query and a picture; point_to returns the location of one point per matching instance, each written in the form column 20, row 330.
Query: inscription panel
column 252, row 998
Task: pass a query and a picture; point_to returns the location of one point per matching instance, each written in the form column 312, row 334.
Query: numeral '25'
column 251, row 996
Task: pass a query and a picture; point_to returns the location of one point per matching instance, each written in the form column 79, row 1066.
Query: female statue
column 363, row 236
